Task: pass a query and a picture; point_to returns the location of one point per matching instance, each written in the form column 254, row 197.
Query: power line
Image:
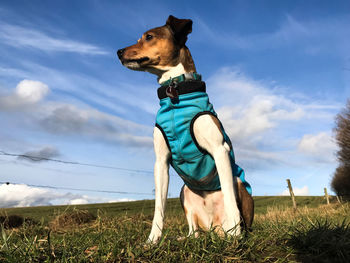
column 78, row 189
column 37, row 158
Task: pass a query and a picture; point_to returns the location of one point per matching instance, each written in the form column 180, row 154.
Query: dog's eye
column 148, row 37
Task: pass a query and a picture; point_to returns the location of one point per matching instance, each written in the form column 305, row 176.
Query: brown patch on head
column 160, row 48
column 186, row 60
column 154, row 49
column 156, row 45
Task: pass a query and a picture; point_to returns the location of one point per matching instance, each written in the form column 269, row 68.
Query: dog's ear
column 180, row 27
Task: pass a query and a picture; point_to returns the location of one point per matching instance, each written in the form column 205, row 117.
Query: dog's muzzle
column 124, row 61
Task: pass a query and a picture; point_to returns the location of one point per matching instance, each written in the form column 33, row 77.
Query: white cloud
column 22, row 37
column 21, row 195
column 27, row 93
column 31, row 91
column 264, row 122
column 78, row 201
column 321, row 146
column 121, row 200
column 255, row 109
column 260, row 114
column 303, row 191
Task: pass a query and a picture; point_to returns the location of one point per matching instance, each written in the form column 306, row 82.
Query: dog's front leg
column 161, row 178
column 209, row 136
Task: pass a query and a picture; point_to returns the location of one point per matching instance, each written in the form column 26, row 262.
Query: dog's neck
column 173, row 72
column 184, row 65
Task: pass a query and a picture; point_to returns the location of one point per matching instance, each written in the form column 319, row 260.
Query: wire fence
column 39, row 158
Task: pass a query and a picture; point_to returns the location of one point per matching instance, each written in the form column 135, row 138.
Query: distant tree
column 341, row 179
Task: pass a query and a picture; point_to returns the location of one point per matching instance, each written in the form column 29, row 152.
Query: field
column 116, row 232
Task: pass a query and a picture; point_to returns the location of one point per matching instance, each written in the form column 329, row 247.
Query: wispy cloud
column 41, row 155
column 327, row 35
column 23, row 37
column 116, row 97
column 70, row 120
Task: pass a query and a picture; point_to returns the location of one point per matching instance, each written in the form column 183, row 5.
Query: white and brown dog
column 162, row 51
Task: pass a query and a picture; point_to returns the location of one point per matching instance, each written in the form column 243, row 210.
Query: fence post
column 292, row 194
column 326, row 195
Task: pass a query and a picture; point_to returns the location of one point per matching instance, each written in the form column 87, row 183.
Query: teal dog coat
column 178, row 111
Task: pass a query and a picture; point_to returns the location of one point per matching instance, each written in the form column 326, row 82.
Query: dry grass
column 277, row 214
column 69, row 220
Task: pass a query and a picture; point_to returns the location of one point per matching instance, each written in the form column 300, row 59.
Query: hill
column 116, row 232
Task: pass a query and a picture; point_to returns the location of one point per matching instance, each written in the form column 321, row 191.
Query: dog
column 189, row 137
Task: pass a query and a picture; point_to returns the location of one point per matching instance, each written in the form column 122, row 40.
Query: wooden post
column 326, row 195
column 292, row 194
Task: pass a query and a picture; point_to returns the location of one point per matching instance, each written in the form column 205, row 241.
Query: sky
column 277, row 73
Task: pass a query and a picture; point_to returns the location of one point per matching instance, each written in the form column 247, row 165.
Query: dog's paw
column 149, row 243
column 153, row 238
column 232, row 228
column 235, row 231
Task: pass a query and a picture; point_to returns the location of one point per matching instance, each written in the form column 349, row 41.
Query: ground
column 116, row 232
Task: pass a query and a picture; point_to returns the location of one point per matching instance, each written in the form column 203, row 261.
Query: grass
column 116, row 232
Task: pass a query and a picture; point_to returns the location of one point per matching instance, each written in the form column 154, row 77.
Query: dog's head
column 159, row 48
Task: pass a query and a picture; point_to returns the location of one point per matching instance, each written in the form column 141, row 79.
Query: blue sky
column 277, row 73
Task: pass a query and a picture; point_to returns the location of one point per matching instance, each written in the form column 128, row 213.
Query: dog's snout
column 120, row 53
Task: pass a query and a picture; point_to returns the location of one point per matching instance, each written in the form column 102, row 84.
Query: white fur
column 210, row 138
column 171, row 72
column 205, row 209
column 161, row 179
column 161, row 167
column 132, row 65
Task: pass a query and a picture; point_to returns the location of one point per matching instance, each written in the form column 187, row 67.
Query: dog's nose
column 120, row 53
